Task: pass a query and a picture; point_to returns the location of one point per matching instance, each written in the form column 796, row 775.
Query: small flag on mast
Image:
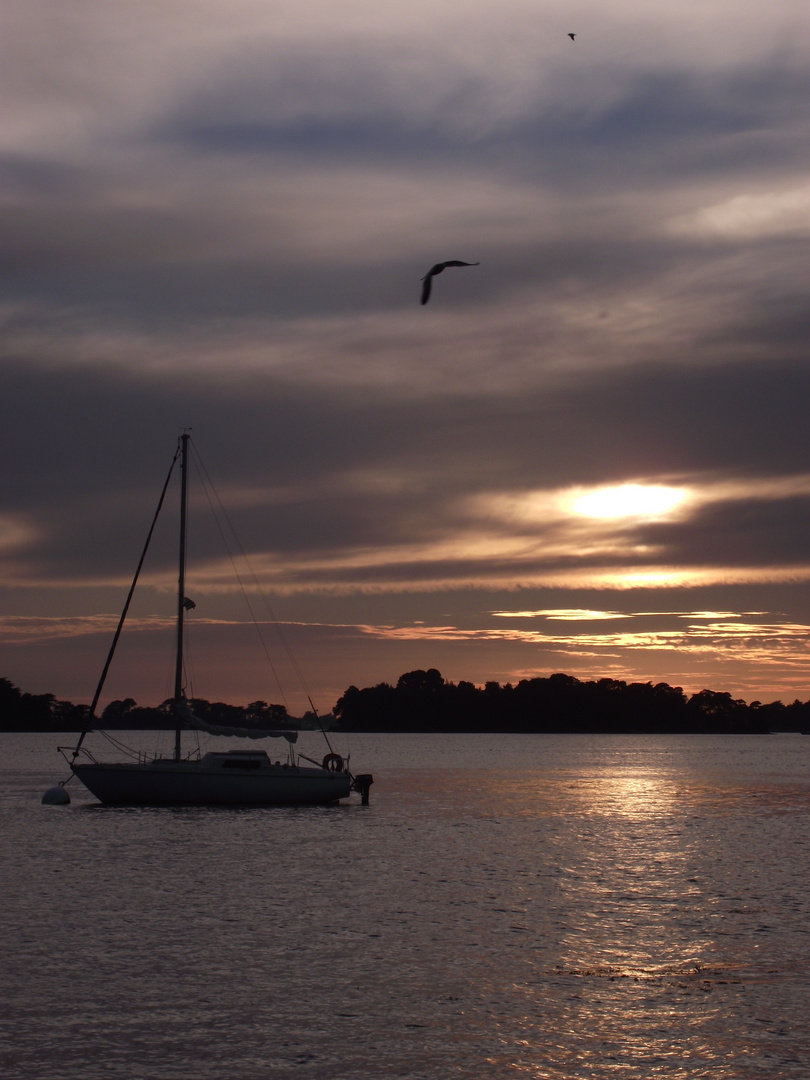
column 189, row 605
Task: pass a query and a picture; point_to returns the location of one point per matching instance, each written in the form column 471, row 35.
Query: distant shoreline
column 423, row 702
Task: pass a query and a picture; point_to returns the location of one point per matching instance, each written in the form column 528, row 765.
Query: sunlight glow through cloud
column 563, row 615
column 630, row 500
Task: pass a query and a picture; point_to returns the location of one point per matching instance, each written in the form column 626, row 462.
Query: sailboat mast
column 181, row 584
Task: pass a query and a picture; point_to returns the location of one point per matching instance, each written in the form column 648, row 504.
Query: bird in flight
column 427, row 280
column 572, row 36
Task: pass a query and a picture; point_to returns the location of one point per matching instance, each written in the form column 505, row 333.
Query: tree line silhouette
column 43, row 712
column 423, row 701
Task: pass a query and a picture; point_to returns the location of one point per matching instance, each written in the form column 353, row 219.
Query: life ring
column 333, row 763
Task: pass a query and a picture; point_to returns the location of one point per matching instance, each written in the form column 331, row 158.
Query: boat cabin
column 237, row 759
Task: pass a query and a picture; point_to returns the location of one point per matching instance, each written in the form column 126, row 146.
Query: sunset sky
column 588, row 454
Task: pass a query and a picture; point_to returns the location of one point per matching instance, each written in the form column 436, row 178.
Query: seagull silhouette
column 572, row 36
column 427, row 280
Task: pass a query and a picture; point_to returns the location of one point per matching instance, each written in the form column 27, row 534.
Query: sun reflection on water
column 625, row 966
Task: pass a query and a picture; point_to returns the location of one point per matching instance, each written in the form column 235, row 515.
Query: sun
column 630, row 500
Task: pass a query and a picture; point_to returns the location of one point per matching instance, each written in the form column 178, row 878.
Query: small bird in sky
column 572, row 36
column 427, row 280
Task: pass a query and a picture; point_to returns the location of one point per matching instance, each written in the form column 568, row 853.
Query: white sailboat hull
column 202, row 783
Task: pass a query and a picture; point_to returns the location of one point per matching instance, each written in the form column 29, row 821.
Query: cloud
column 15, row 533
column 217, row 216
column 20, row 630
column 751, row 216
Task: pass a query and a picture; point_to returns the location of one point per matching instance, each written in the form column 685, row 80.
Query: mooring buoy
column 56, row 796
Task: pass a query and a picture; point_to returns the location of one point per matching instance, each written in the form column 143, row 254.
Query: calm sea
column 540, row 907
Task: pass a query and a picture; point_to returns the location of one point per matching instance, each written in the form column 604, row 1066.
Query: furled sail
column 185, row 713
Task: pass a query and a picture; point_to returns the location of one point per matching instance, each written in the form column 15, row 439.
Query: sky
column 588, row 454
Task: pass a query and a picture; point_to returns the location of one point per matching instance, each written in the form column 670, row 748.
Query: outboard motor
column 362, row 783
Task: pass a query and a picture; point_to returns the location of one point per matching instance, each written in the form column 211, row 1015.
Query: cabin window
column 244, row 763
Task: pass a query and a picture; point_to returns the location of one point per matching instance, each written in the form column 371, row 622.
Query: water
column 542, row 907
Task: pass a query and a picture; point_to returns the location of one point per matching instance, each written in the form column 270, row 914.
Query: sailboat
column 217, row 778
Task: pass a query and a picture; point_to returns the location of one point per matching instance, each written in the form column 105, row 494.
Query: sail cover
column 185, row 713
